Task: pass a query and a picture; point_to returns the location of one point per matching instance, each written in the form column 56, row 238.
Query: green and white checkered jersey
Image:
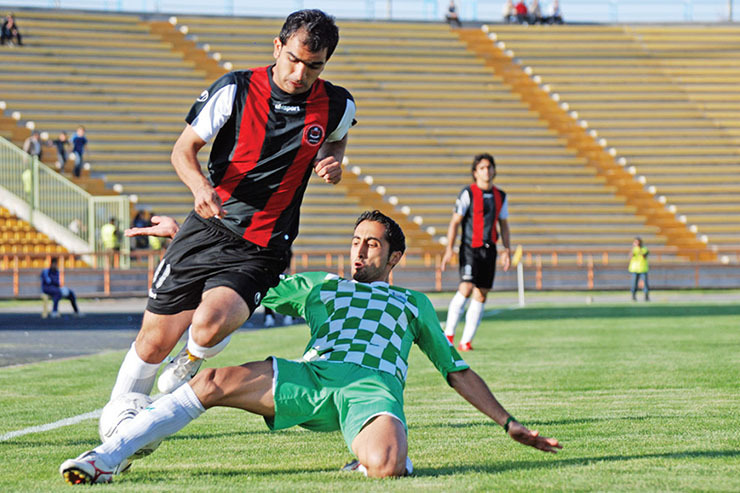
column 369, row 324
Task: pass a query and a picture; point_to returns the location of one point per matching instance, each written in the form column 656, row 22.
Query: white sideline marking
column 52, row 426
column 58, row 424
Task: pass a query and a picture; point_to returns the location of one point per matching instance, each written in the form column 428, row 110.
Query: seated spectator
column 556, row 15
column 61, row 143
column 452, row 16
column 32, row 145
column 508, row 12
column 10, row 31
column 522, row 13
column 50, row 285
column 79, row 141
column 535, row 13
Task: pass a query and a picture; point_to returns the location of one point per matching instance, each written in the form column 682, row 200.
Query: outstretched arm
column 162, row 226
column 471, row 386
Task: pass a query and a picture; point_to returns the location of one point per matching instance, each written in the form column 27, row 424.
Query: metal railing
column 544, row 271
column 57, row 207
column 610, row 11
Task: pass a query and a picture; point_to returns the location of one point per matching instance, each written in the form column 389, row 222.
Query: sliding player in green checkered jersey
column 351, row 376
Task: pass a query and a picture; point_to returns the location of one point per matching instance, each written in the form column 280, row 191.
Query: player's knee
column 206, row 327
column 384, row 464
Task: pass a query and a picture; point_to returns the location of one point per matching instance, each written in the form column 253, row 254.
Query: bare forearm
column 185, row 161
column 505, row 235
column 335, row 149
column 473, row 389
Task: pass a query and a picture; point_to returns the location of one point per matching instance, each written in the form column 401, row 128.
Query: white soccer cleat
column 180, row 370
column 88, row 468
column 355, row 466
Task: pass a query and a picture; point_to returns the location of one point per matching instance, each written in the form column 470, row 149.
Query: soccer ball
column 117, row 415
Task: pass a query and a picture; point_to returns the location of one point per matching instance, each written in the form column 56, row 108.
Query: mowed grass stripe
column 644, row 398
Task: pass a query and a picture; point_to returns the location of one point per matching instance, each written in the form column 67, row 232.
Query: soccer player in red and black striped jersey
column 479, row 208
column 271, row 128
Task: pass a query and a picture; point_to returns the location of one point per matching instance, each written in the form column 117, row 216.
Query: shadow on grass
column 500, row 467
column 166, row 476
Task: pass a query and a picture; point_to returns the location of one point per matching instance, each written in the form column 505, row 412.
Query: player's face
column 369, row 253
column 484, row 172
column 296, row 68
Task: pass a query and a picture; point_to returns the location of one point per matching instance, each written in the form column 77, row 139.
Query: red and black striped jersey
column 264, row 147
column 481, row 209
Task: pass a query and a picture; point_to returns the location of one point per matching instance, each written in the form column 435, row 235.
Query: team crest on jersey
column 203, row 96
column 314, row 134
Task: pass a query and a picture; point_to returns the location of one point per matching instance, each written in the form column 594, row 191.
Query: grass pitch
column 643, row 398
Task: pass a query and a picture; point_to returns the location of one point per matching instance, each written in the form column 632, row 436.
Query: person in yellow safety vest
column 639, row 267
column 109, row 235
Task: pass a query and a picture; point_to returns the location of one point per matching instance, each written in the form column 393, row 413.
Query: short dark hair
column 480, row 157
column 393, row 232
column 320, row 28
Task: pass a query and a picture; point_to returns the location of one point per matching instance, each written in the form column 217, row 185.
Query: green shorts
column 324, row 396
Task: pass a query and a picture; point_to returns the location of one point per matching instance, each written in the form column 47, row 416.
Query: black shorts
column 478, row 265
column 206, row 254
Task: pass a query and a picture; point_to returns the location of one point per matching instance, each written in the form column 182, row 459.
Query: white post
column 520, row 282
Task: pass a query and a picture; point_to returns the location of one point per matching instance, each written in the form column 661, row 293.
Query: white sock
column 135, row 375
column 204, row 352
column 457, row 305
column 472, row 321
column 161, row 418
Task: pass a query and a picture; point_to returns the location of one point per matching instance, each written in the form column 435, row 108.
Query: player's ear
column 276, row 47
column 394, row 258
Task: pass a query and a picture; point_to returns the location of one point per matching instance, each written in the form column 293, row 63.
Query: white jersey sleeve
column 344, row 124
column 462, row 204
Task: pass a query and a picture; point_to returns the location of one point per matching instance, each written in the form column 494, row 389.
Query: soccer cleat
column 355, row 466
column 180, row 370
column 450, row 338
column 88, row 468
column 465, row 347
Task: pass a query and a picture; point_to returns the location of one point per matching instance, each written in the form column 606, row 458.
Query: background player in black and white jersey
column 479, row 207
column 272, row 127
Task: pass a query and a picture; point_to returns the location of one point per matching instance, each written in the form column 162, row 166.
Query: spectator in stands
column 79, row 141
column 32, row 145
column 508, row 12
column 522, row 13
column 50, row 285
column 639, row 268
column 10, row 31
column 535, row 13
column 141, row 220
column 452, row 15
column 61, row 143
column 110, row 237
column 480, row 208
column 556, row 15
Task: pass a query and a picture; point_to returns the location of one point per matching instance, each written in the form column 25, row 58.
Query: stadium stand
column 426, row 105
column 664, row 97
column 17, row 237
